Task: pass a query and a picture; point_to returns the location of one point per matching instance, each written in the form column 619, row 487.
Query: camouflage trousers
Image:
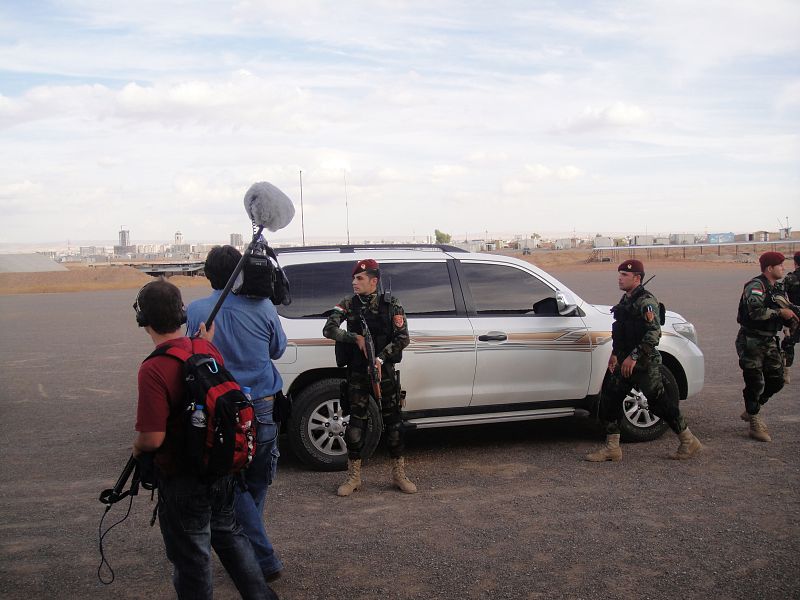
column 647, row 377
column 762, row 368
column 787, row 346
column 359, row 392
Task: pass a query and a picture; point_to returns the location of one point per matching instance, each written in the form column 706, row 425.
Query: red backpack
column 219, row 420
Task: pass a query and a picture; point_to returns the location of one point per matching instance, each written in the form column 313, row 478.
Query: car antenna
column 649, row 280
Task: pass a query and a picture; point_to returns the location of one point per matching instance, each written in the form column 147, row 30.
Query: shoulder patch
column 339, row 308
column 399, row 320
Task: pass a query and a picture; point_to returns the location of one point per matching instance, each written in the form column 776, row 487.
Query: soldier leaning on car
column 387, row 324
column 791, row 286
column 636, row 362
column 760, row 319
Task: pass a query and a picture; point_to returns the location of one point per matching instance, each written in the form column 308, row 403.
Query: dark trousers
column 194, row 518
column 647, row 377
column 762, row 368
column 359, row 391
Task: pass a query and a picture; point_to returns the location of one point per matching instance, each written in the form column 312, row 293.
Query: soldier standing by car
column 791, row 286
column 387, row 324
column 635, row 361
column 760, row 319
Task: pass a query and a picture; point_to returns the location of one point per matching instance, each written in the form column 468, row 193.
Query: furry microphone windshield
column 267, row 206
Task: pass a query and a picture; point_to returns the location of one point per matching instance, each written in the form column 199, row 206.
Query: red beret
column 770, row 259
column 631, row 266
column 365, row 265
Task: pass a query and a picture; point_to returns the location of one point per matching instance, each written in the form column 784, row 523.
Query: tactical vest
column 380, row 326
column 629, row 326
column 770, row 326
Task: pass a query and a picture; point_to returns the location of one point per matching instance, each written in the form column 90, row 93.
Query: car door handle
column 493, row 336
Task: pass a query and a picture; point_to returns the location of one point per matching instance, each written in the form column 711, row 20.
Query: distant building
column 236, row 240
column 660, row 241
column 643, row 240
column 178, row 238
column 602, row 242
column 681, row 238
column 721, row 238
column 566, row 243
column 124, row 237
column 88, row 250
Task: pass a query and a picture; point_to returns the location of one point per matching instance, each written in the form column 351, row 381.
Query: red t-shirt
column 162, row 396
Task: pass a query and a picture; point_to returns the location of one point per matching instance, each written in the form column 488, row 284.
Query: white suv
column 493, row 339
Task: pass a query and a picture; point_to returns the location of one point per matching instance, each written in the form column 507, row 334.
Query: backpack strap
column 173, row 351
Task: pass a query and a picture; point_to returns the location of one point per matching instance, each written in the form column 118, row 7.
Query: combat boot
column 611, row 451
column 758, row 429
column 353, row 481
column 689, row 445
column 399, row 478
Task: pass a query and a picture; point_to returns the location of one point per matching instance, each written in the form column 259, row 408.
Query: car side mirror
column 566, row 303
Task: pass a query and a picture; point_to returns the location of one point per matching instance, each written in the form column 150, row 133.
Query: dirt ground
column 505, row 511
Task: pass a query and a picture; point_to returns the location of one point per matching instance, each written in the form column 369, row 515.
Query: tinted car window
column 503, row 290
column 422, row 288
column 316, row 288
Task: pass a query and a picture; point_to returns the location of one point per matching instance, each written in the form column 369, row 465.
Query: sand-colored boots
column 611, row 451
column 758, row 429
column 688, row 447
column 399, row 478
column 353, row 481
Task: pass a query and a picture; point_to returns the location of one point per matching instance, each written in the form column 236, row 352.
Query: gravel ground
column 504, row 511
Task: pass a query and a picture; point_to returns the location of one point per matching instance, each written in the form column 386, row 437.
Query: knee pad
column 354, row 435
column 394, row 439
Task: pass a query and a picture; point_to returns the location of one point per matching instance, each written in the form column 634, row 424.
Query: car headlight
column 687, row 330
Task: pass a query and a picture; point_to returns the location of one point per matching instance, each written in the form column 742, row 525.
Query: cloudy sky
column 527, row 116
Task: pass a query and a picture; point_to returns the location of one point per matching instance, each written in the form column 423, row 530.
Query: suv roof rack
column 353, row 247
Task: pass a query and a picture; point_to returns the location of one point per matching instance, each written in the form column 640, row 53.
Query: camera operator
column 194, row 514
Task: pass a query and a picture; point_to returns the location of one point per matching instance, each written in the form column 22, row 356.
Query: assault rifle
column 781, row 300
column 369, row 343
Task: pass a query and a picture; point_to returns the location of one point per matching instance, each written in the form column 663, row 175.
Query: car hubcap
column 637, row 410
column 326, row 428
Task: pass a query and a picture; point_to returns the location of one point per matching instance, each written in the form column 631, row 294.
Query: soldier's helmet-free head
column 770, row 259
column 365, row 273
column 632, row 266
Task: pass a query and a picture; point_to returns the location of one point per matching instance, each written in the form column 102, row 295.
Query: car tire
column 639, row 424
column 317, row 425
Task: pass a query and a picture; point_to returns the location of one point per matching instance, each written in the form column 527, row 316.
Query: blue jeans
column 258, row 477
column 196, row 516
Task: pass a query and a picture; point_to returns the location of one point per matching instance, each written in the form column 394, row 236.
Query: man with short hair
column 636, row 361
column 791, row 287
column 760, row 318
column 249, row 335
column 386, row 321
column 194, row 514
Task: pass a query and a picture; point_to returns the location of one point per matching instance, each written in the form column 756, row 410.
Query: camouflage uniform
column 636, row 332
column 389, row 330
column 791, row 286
column 757, row 344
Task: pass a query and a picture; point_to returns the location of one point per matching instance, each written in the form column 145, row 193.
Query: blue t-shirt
column 248, row 335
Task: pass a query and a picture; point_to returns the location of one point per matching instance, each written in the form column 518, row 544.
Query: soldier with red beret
column 791, row 287
column 635, row 361
column 387, row 324
column 760, row 319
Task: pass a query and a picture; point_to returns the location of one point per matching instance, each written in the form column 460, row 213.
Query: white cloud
column 617, row 115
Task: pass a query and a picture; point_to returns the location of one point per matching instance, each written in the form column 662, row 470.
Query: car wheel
column 638, row 423
column 317, row 427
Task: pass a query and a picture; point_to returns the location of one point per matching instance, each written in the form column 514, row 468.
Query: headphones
column 141, row 318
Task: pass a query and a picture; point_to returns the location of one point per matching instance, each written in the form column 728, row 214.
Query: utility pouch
column 401, row 393
column 282, row 407
column 344, row 397
column 344, row 353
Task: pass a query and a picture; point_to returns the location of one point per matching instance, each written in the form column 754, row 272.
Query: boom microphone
column 268, row 207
